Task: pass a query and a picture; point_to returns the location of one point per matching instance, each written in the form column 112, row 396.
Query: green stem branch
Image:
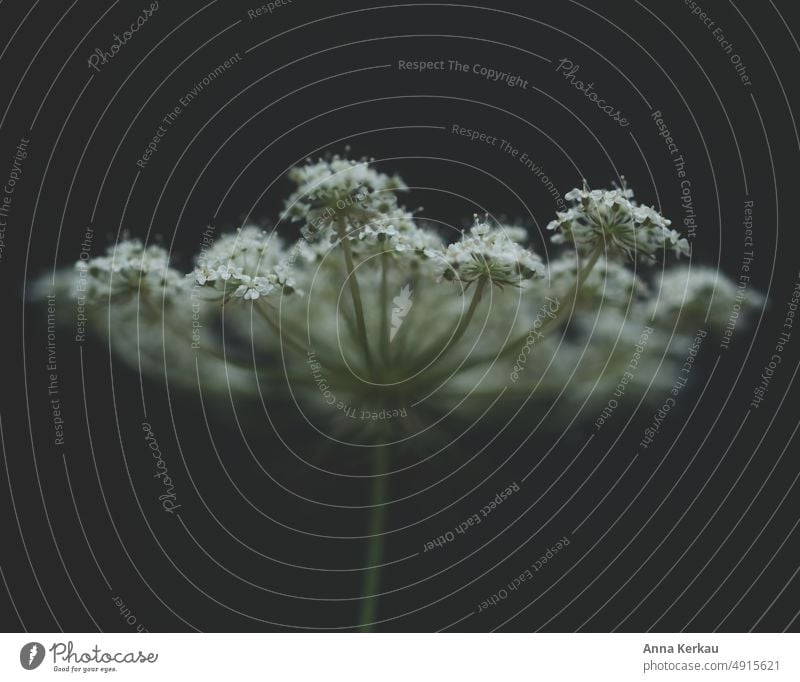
column 355, row 292
column 571, row 295
column 385, row 306
column 283, row 335
column 465, row 320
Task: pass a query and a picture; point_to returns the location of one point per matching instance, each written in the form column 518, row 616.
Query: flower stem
column 385, row 306
column 430, row 354
column 572, row 295
column 369, row 598
column 575, row 289
column 467, row 318
column 355, row 291
column 283, row 334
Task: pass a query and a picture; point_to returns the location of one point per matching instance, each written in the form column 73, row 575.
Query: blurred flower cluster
column 396, row 315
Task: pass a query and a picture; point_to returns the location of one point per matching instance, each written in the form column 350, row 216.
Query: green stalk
column 385, row 306
column 473, row 306
column 283, row 335
column 572, row 295
column 466, row 319
column 355, row 292
column 580, row 280
column 374, row 556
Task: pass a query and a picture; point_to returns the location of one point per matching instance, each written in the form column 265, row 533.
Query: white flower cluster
column 128, row 267
column 399, row 236
column 492, row 253
column 690, row 294
column 249, row 264
column 339, row 189
column 449, row 342
column 612, row 219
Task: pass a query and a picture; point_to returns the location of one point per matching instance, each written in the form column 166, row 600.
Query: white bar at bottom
column 388, row 657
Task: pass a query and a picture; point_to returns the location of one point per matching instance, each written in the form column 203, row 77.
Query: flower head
column 699, row 295
column 127, row 267
column 614, row 219
column 341, row 189
column 493, row 253
column 380, row 270
column 247, row 264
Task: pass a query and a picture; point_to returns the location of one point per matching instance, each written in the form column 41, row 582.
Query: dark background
column 696, row 533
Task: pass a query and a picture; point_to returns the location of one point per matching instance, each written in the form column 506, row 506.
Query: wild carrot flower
column 372, row 307
column 490, row 253
column 613, row 219
column 334, row 292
